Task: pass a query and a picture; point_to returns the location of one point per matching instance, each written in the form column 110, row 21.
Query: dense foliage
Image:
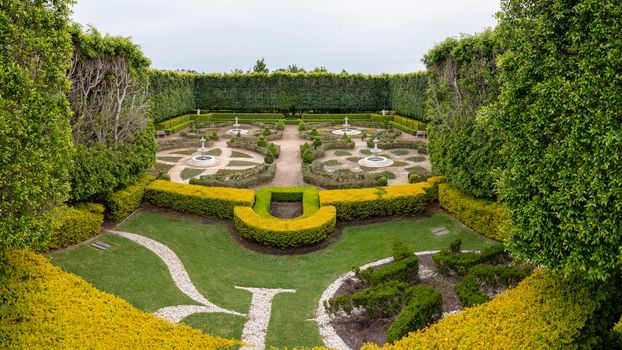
column 170, row 94
column 425, row 307
column 73, row 225
column 35, row 137
column 53, row 309
column 407, row 94
column 545, row 311
column 110, row 126
column 562, row 116
column 482, row 216
column 463, row 86
column 120, row 204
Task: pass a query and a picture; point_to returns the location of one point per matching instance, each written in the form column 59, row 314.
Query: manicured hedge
column 172, row 122
column 545, row 311
column 75, row 224
column 408, row 125
column 46, row 308
column 216, row 202
column 170, row 94
column 307, row 195
column 405, row 270
column 424, row 308
column 285, row 233
column 383, row 300
column 385, row 201
column 469, row 292
column 483, row 216
column 408, row 94
column 122, row 203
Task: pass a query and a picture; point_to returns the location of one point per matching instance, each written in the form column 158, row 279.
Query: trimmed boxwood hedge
column 122, row 203
column 483, row 216
column 424, row 308
column 390, row 200
column 217, row 202
column 307, row 195
column 285, row 233
column 75, row 224
column 47, row 308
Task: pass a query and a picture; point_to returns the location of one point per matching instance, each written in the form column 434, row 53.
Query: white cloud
column 220, row 35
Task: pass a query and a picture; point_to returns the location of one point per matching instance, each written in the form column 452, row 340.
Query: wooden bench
column 160, row 133
column 422, row 134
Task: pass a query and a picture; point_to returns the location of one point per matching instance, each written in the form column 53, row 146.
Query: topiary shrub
column 425, row 307
column 469, row 293
column 401, row 251
column 75, row 224
column 500, row 275
column 261, row 141
column 301, row 125
column 272, row 148
column 418, row 174
column 307, row 156
column 122, row 203
column 405, row 270
column 268, row 158
column 266, row 132
column 383, row 300
column 317, row 142
column 280, row 125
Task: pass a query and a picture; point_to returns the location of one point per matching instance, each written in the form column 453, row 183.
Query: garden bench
column 161, row 133
column 422, row 134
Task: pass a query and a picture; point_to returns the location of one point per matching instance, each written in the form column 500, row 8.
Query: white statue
column 198, row 111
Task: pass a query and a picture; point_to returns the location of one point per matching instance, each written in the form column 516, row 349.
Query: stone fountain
column 346, row 130
column 375, row 161
column 236, row 128
column 202, row 159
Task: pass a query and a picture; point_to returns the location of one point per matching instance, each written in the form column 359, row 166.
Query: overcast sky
column 367, row 36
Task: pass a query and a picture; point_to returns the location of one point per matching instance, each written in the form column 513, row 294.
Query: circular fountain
column 236, row 128
column 346, row 130
column 375, row 161
column 203, row 159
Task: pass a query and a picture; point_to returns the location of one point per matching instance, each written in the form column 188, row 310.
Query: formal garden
column 475, row 204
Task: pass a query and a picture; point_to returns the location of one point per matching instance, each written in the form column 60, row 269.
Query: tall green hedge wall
column 173, row 93
column 292, row 92
column 408, row 94
column 170, row 94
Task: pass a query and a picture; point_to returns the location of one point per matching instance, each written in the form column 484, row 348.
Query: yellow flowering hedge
column 216, row 202
column 285, row 233
column 483, row 216
column 122, row 203
column 545, row 311
column 618, row 330
column 389, row 200
column 75, row 224
column 44, row 307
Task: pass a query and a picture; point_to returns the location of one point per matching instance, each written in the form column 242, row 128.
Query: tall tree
column 35, row 137
column 562, row 117
column 260, row 66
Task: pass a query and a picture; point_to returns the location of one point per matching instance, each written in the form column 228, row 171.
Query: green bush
column 280, row 125
column 383, row 300
column 469, row 293
column 453, row 260
column 266, row 132
column 245, row 178
column 418, row 174
column 215, row 202
column 122, row 203
column 261, row 142
column 405, row 270
column 425, row 307
column 301, row 125
column 307, row 156
column 483, row 216
column 408, row 94
column 75, row 224
column 501, row 275
column 401, row 251
column 307, row 195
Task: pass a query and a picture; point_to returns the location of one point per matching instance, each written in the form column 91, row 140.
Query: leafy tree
column 562, row 120
column 35, row 137
column 320, row 69
column 292, row 68
column 260, row 66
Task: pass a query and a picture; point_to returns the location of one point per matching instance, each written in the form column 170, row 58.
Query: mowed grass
column 216, row 264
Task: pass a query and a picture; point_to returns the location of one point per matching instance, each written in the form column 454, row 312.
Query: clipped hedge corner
column 75, row 224
column 122, row 203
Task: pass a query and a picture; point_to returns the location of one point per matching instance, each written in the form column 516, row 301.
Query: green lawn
column 216, row 264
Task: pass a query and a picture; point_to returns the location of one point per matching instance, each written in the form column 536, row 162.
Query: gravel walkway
column 289, row 164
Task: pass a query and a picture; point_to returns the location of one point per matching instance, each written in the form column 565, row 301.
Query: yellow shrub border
column 285, row 233
column 47, row 308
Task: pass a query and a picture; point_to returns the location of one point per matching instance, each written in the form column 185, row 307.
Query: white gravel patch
column 256, row 326
column 181, row 279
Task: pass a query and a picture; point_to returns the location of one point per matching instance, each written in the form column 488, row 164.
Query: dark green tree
column 562, row 120
column 35, row 137
column 260, row 66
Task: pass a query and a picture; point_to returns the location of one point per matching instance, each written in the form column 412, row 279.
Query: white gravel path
column 181, row 279
column 256, row 326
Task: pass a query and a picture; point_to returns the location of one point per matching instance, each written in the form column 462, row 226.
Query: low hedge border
column 122, row 203
column 47, row 308
column 308, row 196
column 217, row 202
column 75, row 224
column 389, row 200
column 482, row 216
column 424, row 308
column 285, row 233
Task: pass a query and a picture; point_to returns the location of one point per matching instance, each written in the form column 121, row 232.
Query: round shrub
column 317, row 142
column 261, row 141
column 266, row 132
column 301, row 125
column 280, row 125
column 307, row 156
